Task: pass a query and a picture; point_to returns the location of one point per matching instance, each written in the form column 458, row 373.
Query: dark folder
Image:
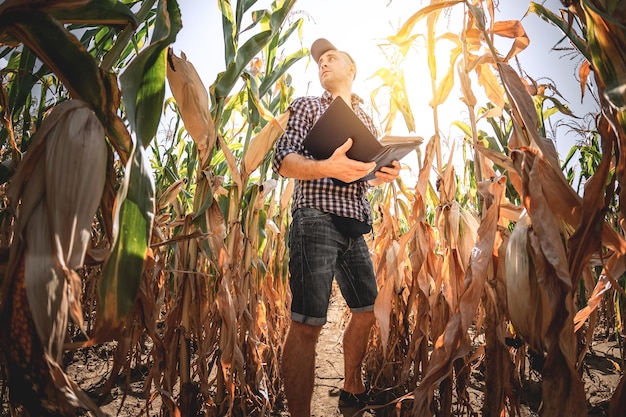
column 338, row 123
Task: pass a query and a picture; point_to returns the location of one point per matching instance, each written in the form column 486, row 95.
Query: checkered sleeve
column 303, row 113
column 323, row 193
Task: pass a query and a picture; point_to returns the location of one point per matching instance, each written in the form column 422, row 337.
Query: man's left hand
column 386, row 174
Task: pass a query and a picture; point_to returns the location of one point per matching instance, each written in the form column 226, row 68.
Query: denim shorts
column 317, row 254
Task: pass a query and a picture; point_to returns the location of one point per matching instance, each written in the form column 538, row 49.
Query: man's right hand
column 338, row 166
column 341, row 167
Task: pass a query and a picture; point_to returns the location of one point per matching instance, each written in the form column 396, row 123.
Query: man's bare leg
column 299, row 367
column 355, row 340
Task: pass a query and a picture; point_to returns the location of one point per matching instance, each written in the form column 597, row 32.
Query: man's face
column 335, row 67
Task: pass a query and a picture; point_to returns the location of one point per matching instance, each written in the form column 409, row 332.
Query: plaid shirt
column 323, row 194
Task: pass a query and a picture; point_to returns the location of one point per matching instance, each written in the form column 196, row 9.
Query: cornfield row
column 173, row 249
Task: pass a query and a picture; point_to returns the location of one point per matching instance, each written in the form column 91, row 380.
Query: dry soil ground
column 88, row 369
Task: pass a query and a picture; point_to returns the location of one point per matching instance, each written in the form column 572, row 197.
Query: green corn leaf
column 126, row 41
column 255, row 106
column 68, row 59
column 60, row 51
column 23, row 82
column 226, row 80
column 297, row 26
column 143, row 84
column 242, row 7
column 229, row 27
column 235, row 67
column 123, row 270
column 281, row 10
column 607, row 44
column 565, row 27
column 108, row 12
column 561, row 107
column 280, row 70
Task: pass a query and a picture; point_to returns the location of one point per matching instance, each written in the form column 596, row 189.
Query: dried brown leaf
column 59, row 186
column 426, row 170
column 170, row 195
column 468, row 96
column 567, row 395
column 504, row 161
column 467, row 234
column 492, row 87
column 383, row 306
column 447, row 82
column 454, row 342
column 525, row 116
column 603, row 285
column 515, row 30
column 285, row 197
column 583, row 75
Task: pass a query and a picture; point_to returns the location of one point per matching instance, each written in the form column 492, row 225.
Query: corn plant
column 466, row 277
column 232, row 306
column 179, row 243
column 67, row 144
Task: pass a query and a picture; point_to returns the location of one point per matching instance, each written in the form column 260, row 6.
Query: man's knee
column 365, row 318
column 303, row 331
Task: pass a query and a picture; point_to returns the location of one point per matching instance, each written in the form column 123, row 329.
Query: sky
column 359, row 27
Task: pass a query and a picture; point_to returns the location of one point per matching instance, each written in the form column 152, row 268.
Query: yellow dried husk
column 262, row 143
column 171, row 194
column 527, row 301
column 193, row 103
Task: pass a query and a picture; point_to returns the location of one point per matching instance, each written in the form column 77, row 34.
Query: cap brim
column 320, row 47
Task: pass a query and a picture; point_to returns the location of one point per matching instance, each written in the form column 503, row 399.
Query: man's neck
column 346, row 95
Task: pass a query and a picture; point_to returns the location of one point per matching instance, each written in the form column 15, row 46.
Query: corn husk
column 58, row 185
column 55, row 193
column 171, row 194
column 262, row 143
column 527, row 301
column 193, row 103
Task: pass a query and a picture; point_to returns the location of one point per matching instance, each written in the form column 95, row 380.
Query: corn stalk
column 229, row 299
column 199, row 231
column 469, row 262
column 60, row 197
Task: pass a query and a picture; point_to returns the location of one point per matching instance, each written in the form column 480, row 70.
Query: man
column 318, row 251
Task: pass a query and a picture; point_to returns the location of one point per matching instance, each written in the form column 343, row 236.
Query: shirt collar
column 356, row 100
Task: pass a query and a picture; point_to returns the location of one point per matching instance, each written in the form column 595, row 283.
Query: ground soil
column 601, row 375
column 89, row 369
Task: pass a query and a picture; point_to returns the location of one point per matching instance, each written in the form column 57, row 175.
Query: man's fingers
column 345, row 147
column 394, row 169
